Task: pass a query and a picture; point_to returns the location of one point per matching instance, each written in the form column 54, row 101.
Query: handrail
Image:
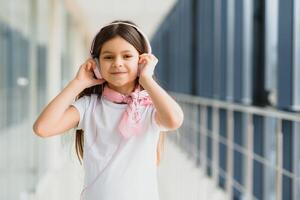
column 263, row 111
column 203, row 133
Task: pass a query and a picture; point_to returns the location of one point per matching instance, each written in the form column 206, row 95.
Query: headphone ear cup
column 97, row 69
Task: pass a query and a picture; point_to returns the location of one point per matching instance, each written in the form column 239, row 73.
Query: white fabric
column 132, row 173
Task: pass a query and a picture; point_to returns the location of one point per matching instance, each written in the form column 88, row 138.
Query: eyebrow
column 112, row 52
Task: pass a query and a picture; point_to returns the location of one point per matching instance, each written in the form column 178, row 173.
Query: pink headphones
column 97, row 70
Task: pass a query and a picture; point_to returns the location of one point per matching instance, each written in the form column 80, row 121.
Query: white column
column 296, row 51
column 271, row 48
column 32, row 148
column 247, row 53
column 230, row 49
column 54, row 158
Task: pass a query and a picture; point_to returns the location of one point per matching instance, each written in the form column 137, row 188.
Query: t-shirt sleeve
column 154, row 123
column 81, row 105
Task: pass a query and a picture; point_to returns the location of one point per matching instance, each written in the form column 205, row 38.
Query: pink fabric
column 130, row 122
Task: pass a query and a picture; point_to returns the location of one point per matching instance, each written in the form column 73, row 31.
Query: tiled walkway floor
column 178, row 179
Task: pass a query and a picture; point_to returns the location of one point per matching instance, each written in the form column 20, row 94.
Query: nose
column 118, row 62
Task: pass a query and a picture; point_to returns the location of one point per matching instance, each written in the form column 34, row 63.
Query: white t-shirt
column 130, row 171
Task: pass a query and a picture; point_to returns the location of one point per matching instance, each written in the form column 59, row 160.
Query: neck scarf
column 130, row 123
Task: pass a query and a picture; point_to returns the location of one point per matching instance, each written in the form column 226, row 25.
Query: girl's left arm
column 169, row 114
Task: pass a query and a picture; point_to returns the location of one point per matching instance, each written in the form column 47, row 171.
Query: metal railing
column 204, row 140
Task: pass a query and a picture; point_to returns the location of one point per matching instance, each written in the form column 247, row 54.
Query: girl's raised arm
column 58, row 116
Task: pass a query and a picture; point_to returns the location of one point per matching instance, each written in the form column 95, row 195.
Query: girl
column 119, row 115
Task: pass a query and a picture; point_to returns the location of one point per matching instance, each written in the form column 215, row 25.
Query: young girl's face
column 119, row 64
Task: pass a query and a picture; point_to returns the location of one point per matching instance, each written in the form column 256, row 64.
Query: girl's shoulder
column 90, row 97
column 86, row 100
column 83, row 98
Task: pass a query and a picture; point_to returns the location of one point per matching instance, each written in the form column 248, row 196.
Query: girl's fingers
column 141, row 61
column 148, row 57
column 145, row 60
column 89, row 63
column 94, row 65
column 89, row 66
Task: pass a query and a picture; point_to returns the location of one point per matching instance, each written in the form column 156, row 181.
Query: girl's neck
column 125, row 90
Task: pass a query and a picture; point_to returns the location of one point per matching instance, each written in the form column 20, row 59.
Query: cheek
column 134, row 65
column 134, row 70
column 104, row 70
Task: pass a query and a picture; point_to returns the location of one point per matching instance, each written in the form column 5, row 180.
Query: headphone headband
column 138, row 29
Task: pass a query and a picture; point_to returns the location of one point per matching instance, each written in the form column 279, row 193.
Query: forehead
column 118, row 45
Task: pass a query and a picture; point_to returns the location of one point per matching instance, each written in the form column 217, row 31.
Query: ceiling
column 147, row 14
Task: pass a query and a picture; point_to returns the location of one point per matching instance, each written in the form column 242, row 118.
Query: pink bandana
column 130, row 122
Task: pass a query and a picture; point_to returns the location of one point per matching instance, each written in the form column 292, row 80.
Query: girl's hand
column 147, row 63
column 85, row 74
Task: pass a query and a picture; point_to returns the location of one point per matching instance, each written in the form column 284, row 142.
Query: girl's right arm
column 58, row 116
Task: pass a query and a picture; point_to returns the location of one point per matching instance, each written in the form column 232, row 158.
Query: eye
column 128, row 56
column 107, row 57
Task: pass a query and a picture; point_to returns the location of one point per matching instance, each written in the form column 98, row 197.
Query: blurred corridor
column 233, row 65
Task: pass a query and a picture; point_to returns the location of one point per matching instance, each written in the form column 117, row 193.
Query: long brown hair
column 131, row 35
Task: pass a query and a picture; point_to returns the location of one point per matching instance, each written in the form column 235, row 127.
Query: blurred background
column 233, row 65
